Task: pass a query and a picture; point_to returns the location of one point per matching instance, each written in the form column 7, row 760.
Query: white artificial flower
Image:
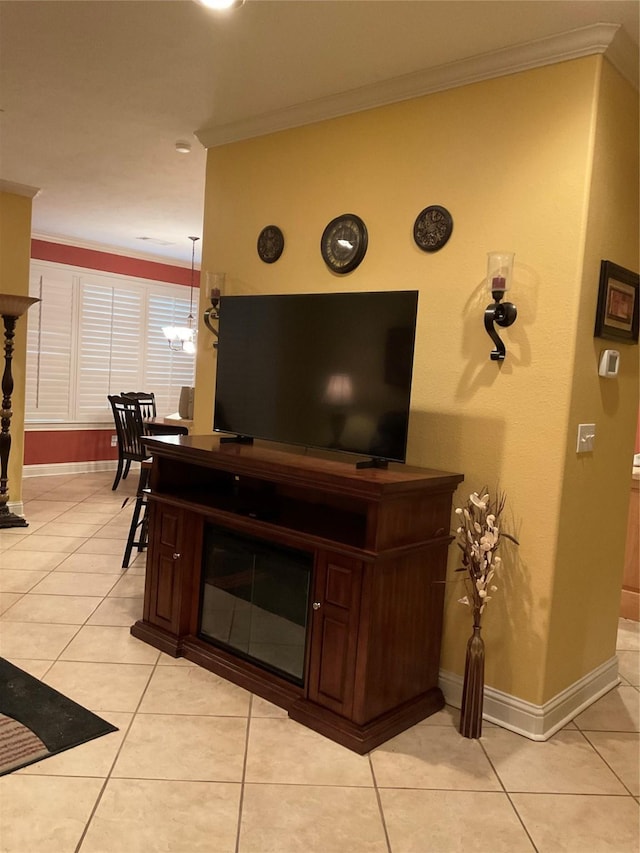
column 480, row 502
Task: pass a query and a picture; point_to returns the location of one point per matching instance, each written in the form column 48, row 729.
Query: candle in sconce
column 215, row 282
column 499, row 267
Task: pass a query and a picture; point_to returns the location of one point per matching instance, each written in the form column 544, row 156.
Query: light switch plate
column 586, row 438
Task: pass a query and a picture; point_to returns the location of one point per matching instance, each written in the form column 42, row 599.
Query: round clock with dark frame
column 432, row 228
column 270, row 244
column 344, row 243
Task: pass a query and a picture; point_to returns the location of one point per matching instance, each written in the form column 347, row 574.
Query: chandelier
column 183, row 338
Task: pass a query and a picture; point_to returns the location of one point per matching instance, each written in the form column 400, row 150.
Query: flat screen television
column 321, row 370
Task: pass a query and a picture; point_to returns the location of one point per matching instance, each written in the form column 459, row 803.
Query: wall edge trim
column 54, row 468
column 537, row 722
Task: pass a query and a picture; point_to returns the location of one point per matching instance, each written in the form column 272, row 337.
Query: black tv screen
column 321, row 370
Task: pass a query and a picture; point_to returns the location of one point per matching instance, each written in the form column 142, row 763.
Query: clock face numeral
column 270, row 244
column 344, row 243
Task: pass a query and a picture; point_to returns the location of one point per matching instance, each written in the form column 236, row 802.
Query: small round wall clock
column 344, row 243
column 270, row 244
column 432, row 228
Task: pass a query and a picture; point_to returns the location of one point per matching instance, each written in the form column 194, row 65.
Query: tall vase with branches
column 478, row 537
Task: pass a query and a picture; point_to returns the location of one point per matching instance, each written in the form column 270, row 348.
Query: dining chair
column 146, row 401
column 128, row 419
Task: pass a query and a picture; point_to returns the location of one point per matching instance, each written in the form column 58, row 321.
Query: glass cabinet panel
column 255, row 600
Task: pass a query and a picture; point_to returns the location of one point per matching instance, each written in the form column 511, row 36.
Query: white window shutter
column 99, row 334
column 167, row 371
column 109, row 356
column 50, row 337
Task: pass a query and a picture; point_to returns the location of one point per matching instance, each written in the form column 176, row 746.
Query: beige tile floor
column 199, row 764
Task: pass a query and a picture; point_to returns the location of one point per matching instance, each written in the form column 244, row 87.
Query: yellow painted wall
column 511, row 160
column 15, row 251
column 596, row 486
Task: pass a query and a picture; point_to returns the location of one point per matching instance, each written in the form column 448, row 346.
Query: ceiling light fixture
column 221, row 5
column 183, row 147
column 183, row 338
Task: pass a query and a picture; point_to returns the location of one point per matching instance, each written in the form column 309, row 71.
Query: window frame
column 81, row 279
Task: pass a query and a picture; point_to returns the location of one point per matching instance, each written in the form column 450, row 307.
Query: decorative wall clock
column 344, row 243
column 270, row 244
column 432, row 228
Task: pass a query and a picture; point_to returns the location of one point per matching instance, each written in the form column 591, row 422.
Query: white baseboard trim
column 16, row 507
column 49, row 470
column 537, row 722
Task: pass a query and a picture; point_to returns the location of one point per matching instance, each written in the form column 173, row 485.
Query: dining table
column 168, row 425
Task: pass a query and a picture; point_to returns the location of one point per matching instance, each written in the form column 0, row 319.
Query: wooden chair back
column 146, row 400
column 128, row 420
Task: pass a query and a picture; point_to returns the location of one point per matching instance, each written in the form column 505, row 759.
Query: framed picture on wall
column 617, row 311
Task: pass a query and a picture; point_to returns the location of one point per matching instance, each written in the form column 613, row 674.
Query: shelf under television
column 317, row 532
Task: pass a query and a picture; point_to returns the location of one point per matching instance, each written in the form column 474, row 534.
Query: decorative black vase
column 473, row 691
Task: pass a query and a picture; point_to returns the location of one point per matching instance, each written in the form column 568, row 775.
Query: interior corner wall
column 510, row 158
column 15, row 237
column 585, row 602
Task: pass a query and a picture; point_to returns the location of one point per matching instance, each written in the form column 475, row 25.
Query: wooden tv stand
column 379, row 540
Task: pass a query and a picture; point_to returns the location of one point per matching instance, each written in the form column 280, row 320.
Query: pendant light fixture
column 183, row 338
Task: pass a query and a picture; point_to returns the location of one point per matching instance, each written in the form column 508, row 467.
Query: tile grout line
column 244, row 774
column 109, row 776
column 379, row 801
column 508, row 796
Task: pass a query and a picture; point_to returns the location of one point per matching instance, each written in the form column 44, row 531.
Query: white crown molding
column 109, row 250
column 623, row 55
column 584, row 41
column 18, row 189
column 537, row 722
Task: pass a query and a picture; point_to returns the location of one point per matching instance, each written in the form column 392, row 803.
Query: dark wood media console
column 378, row 539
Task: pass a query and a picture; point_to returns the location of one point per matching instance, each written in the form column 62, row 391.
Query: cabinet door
column 334, row 632
column 170, row 569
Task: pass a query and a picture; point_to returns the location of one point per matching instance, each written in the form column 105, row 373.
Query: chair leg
column 118, row 475
column 139, row 519
column 126, row 469
column 144, row 527
column 135, row 523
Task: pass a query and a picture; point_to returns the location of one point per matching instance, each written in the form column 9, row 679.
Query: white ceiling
column 94, row 94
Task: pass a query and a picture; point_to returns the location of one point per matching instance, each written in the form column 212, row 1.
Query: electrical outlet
column 586, row 438
column 114, row 441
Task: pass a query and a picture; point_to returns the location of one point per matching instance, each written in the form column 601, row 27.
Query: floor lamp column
column 11, row 308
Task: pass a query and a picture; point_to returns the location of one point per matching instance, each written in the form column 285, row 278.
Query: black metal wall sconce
column 499, row 270
column 215, row 287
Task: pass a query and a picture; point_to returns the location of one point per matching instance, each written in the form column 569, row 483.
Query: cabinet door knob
column 316, row 605
column 177, row 556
